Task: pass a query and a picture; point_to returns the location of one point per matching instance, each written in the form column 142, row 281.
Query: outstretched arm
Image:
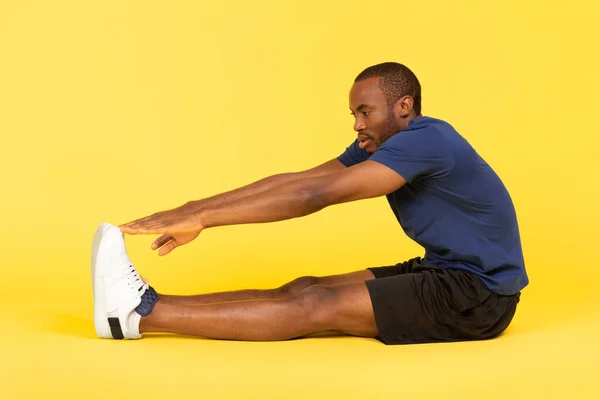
column 305, row 196
column 265, row 184
column 287, row 200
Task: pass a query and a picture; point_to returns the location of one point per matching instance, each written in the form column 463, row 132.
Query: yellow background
column 113, row 110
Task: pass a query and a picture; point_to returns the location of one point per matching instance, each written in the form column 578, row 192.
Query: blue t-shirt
column 453, row 204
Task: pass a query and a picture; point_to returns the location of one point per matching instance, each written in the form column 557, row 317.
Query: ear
column 403, row 106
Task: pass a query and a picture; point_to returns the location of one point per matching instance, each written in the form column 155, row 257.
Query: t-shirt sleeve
column 353, row 155
column 422, row 152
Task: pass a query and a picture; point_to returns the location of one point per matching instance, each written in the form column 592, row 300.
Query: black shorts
column 420, row 303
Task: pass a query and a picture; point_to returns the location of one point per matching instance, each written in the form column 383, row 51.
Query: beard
column 390, row 128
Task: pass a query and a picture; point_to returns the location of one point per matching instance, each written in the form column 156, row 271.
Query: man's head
column 383, row 99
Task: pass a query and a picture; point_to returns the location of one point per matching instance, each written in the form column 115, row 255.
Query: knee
column 298, row 285
column 316, row 302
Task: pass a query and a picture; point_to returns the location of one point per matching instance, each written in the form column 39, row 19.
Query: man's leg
column 124, row 305
column 290, row 289
column 345, row 308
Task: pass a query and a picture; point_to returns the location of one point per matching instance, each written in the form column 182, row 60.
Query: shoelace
column 133, row 278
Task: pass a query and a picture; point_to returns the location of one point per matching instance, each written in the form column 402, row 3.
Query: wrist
column 200, row 218
column 192, row 207
column 192, row 210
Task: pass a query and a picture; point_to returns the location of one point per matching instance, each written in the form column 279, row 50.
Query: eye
column 351, row 113
column 366, row 113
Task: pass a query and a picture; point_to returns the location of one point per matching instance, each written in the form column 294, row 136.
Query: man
column 443, row 194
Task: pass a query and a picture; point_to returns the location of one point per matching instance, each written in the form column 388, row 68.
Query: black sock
column 149, row 299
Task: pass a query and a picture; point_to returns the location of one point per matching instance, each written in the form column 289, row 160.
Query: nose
column 359, row 124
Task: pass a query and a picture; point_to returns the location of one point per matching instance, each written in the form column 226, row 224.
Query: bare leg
column 289, row 289
column 345, row 308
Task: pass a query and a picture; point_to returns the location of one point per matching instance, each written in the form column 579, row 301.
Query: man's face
column 374, row 119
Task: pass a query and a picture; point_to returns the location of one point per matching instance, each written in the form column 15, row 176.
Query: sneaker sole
column 106, row 327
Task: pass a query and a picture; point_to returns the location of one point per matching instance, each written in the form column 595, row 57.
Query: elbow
column 310, row 195
column 313, row 200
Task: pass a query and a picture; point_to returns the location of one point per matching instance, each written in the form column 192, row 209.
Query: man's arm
column 305, row 196
column 266, row 184
column 275, row 202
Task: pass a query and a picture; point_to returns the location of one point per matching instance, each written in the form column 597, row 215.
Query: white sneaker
column 118, row 288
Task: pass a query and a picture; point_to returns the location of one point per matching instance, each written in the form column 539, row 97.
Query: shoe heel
column 100, row 320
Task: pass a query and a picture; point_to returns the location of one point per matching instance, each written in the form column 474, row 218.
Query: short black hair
column 396, row 80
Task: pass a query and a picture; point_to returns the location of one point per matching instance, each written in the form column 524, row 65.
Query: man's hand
column 178, row 226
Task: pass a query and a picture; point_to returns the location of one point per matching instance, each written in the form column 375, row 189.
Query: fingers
column 161, row 241
column 162, row 222
column 167, row 248
column 147, row 225
column 166, row 243
column 133, row 228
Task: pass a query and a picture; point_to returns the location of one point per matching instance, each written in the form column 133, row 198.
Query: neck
column 406, row 120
